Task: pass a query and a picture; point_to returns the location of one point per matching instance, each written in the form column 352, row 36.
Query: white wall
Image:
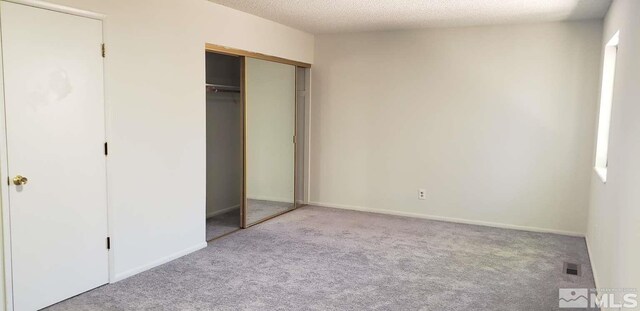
column 270, row 94
column 224, row 152
column 154, row 82
column 613, row 232
column 496, row 123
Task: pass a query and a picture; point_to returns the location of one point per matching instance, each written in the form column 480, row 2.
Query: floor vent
column 572, row 269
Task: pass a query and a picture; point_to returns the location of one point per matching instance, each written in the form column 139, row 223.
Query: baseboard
column 222, row 211
column 447, row 219
column 273, row 199
column 594, row 271
column 155, row 263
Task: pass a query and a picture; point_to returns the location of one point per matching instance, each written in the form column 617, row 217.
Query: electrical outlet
column 422, row 194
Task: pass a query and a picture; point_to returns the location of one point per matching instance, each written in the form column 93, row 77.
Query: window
column 606, row 97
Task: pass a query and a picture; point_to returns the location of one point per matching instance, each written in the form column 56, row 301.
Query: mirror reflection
column 270, row 129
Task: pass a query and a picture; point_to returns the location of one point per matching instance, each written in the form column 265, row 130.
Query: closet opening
column 224, row 132
column 257, row 110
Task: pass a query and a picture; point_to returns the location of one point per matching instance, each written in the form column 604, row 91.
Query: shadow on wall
column 581, row 8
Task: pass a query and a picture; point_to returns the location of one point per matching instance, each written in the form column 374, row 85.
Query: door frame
column 4, row 190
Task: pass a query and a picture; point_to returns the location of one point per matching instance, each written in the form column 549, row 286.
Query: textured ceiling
column 334, row 16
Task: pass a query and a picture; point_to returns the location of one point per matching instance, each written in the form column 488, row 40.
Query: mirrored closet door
column 270, row 128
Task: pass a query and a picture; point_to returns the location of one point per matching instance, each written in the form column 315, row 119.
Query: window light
column 606, row 97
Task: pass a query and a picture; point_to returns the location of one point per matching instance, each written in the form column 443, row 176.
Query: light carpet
column 222, row 224
column 327, row 259
column 258, row 210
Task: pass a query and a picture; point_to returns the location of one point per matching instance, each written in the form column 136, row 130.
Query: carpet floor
column 260, row 209
column 257, row 210
column 328, row 259
column 222, row 224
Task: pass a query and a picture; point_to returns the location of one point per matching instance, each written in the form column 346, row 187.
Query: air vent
column 572, row 269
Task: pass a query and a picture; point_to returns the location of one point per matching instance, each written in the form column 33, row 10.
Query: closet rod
column 222, row 88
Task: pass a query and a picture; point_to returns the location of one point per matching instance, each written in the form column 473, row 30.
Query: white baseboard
column 593, row 264
column 155, row 263
column 222, row 211
column 447, row 219
column 273, row 199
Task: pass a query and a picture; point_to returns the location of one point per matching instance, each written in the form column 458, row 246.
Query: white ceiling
column 335, row 16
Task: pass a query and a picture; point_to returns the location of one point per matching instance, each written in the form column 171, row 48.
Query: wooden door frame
column 4, row 165
column 243, row 54
column 221, row 49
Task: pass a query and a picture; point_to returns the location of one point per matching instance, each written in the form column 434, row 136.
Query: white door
column 54, row 108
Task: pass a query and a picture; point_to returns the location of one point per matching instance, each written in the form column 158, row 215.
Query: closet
column 224, row 144
column 256, row 124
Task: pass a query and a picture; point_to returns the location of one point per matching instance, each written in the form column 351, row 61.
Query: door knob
column 20, row 180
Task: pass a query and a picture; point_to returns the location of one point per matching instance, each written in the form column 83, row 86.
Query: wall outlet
column 422, row 194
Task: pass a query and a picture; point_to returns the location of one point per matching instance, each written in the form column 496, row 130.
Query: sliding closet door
column 270, row 98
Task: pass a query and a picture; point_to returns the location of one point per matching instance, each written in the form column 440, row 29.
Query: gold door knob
column 20, row 180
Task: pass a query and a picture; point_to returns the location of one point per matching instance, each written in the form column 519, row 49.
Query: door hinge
column 104, row 50
column 106, row 149
column 108, row 243
column 294, row 139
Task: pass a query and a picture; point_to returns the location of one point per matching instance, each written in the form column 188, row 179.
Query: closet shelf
column 216, row 88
